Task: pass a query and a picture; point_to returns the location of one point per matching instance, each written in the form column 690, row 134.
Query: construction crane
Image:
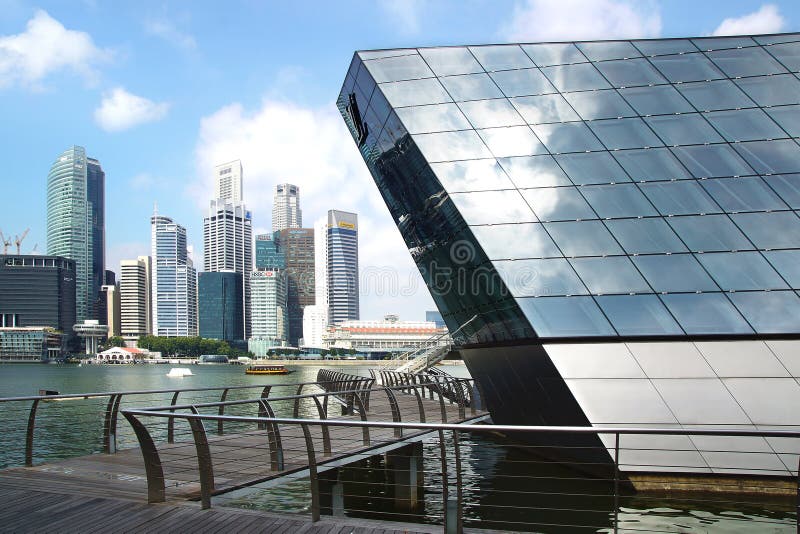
column 6, row 243
column 18, row 240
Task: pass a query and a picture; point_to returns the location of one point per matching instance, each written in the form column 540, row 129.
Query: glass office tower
column 219, row 305
column 620, row 217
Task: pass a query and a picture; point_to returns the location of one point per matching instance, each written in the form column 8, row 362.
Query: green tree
column 115, row 341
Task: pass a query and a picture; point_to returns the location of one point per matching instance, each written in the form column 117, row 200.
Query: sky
column 160, row 92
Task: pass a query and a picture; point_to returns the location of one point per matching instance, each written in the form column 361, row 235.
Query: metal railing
column 556, row 478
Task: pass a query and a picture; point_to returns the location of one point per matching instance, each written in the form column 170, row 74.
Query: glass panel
column 515, row 241
column 770, row 230
column 493, row 207
column 501, row 57
column 618, row 200
column 645, row 236
column 415, row 92
column 708, row 233
column 779, row 38
column 638, row 315
column 448, row 61
column 745, row 125
column 554, row 54
column 788, row 117
column 512, row 141
column 651, row 164
column 610, row 275
column 540, row 278
column 436, row 118
column 720, row 43
column 599, row 51
column 600, row 105
column 625, row 133
column 658, row 100
column 689, row 129
column 534, row 171
column 787, row 262
column 583, row 238
column 545, row 108
column 687, row 68
column 775, row 312
column 787, row 186
column 746, row 62
column 712, row 161
column 740, row 271
column 772, row 90
column 580, row 77
column 491, row 113
column 630, row 72
column 719, row 94
column 522, row 82
column 667, row 46
column 567, row 137
column 377, row 54
column 788, row 54
column 706, row 313
column 675, row 273
column 474, row 175
column 471, row 87
column 771, row 157
column 393, row 69
column 685, row 197
column 558, row 204
column 379, row 106
column 449, row 146
column 565, row 317
column 592, row 168
column 743, row 194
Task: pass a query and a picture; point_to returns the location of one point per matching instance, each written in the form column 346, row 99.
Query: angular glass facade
column 606, row 189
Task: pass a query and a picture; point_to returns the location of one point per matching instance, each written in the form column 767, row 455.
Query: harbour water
column 503, row 488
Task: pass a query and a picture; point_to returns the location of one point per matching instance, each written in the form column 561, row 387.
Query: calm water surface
column 503, row 488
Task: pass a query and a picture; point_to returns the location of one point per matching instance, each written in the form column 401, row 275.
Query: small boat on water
column 266, row 370
column 179, row 372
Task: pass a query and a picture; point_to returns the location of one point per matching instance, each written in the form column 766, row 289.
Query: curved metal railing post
column 261, row 410
column 273, row 436
column 442, row 407
column 297, row 401
column 204, row 465
column 222, row 399
column 420, row 404
column 110, row 424
column 363, row 413
column 312, row 474
column 398, row 432
column 171, row 421
column 326, row 433
column 456, row 385
column 156, row 491
column 29, row 433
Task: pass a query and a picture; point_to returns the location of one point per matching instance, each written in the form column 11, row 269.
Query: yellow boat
column 266, row 370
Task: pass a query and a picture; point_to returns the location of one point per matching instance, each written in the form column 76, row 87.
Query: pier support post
column 331, row 493
column 406, row 466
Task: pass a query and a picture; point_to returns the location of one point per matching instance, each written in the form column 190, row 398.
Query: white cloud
column 166, row 30
column 404, row 15
column 311, row 147
column 546, row 20
column 121, row 110
column 766, row 20
column 46, row 46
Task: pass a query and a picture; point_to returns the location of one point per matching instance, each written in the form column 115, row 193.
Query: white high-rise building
column 269, row 310
column 342, row 266
column 173, row 280
column 286, row 211
column 228, row 181
column 228, row 246
column 315, row 323
column 134, row 296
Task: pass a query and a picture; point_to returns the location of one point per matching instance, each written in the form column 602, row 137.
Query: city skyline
column 158, row 146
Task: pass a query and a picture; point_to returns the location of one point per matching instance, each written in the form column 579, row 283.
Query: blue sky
column 161, row 91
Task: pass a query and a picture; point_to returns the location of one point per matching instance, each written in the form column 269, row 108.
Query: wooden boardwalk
column 108, row 492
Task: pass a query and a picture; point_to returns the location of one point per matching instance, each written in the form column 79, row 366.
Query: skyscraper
column 173, row 280
column 135, row 298
column 228, row 246
column 268, row 252
column 228, row 181
column 297, row 245
column 219, row 303
column 270, row 317
column 342, row 266
column 286, row 211
column 76, row 223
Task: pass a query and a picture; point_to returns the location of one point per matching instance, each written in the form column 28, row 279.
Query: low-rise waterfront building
column 390, row 334
column 29, row 344
column 121, row 355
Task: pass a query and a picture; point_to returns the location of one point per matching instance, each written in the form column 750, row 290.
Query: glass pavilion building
column 622, row 218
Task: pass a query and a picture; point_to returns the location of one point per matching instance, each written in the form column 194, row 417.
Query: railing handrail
column 477, row 427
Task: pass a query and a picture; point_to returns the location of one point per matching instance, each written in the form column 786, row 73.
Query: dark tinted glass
column 771, row 157
column 787, row 263
column 592, row 168
column 515, row 241
column 638, row 315
column 743, row 194
column 685, row 197
column 537, row 278
column 554, row 53
column 787, row 186
column 625, row 133
column 522, row 82
column 706, row 313
column 645, row 236
column 675, row 273
column 599, row 51
column 744, row 125
column 772, row 90
column 712, row 161
column 630, row 72
column 618, row 200
column 707, row 233
column 583, row 238
column 721, row 43
column 664, row 47
column 651, row 164
column 688, row 129
column 740, row 271
column 746, row 62
column 579, row 77
column 565, row 317
column 788, row 54
column 719, row 94
column 606, row 104
column 788, row 117
column 610, row 275
column 534, row 171
column 772, row 312
column 770, row 230
column 687, row 68
column 658, row 100
column 558, row 204
column 567, row 137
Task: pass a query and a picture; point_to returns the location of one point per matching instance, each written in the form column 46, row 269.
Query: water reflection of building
column 620, row 216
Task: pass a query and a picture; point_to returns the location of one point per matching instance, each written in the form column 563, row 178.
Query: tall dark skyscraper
column 96, row 196
column 297, row 245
